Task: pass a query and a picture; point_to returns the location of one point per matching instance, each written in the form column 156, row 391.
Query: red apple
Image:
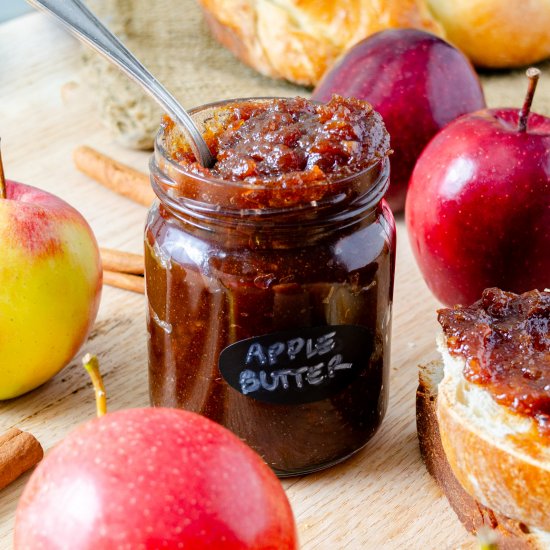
column 478, row 208
column 153, row 478
column 50, row 285
column 416, row 81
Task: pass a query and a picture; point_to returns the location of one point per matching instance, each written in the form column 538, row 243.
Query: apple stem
column 91, row 364
column 533, row 75
column 3, row 192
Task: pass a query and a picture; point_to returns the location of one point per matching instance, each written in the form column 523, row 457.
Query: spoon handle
column 87, row 27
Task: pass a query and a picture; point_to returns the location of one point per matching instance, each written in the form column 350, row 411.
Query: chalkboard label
column 297, row 366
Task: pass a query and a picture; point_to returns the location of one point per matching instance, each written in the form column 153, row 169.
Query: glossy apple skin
column 150, row 479
column 478, row 208
column 416, row 81
column 50, row 286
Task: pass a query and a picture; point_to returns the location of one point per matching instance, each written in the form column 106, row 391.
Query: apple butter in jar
column 270, row 276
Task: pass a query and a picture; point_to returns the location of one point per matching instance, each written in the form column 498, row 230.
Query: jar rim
column 376, row 173
column 159, row 146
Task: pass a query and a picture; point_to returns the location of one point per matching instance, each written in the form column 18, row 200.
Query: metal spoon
column 86, row 26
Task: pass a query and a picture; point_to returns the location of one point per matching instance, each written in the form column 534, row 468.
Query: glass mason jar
column 269, row 309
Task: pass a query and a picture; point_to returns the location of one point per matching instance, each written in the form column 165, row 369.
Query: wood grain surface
column 381, row 498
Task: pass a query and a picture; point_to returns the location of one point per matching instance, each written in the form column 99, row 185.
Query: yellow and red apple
column 50, row 286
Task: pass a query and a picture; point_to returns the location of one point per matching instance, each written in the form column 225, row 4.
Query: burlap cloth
column 172, row 40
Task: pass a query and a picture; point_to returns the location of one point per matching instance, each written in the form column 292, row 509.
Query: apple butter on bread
column 491, row 395
column 505, row 341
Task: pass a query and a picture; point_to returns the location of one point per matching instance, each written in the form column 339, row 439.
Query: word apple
column 416, row 81
column 153, row 478
column 50, row 286
column 478, row 208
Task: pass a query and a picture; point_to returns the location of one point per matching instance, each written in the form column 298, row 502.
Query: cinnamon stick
column 114, row 175
column 19, row 451
column 125, row 281
column 122, row 262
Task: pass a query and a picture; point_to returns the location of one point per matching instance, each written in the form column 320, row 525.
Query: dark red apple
column 478, row 207
column 151, row 479
column 416, row 81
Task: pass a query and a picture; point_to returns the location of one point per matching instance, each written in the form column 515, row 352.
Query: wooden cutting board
column 381, row 498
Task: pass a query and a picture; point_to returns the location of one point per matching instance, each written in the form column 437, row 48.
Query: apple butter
column 505, row 340
column 270, row 276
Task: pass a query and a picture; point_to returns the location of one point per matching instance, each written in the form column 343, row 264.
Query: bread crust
column 512, row 534
column 299, row 39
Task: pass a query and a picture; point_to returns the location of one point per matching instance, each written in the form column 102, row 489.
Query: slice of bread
column 498, row 456
column 513, row 534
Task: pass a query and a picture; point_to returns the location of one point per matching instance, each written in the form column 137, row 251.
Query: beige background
column 171, row 38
